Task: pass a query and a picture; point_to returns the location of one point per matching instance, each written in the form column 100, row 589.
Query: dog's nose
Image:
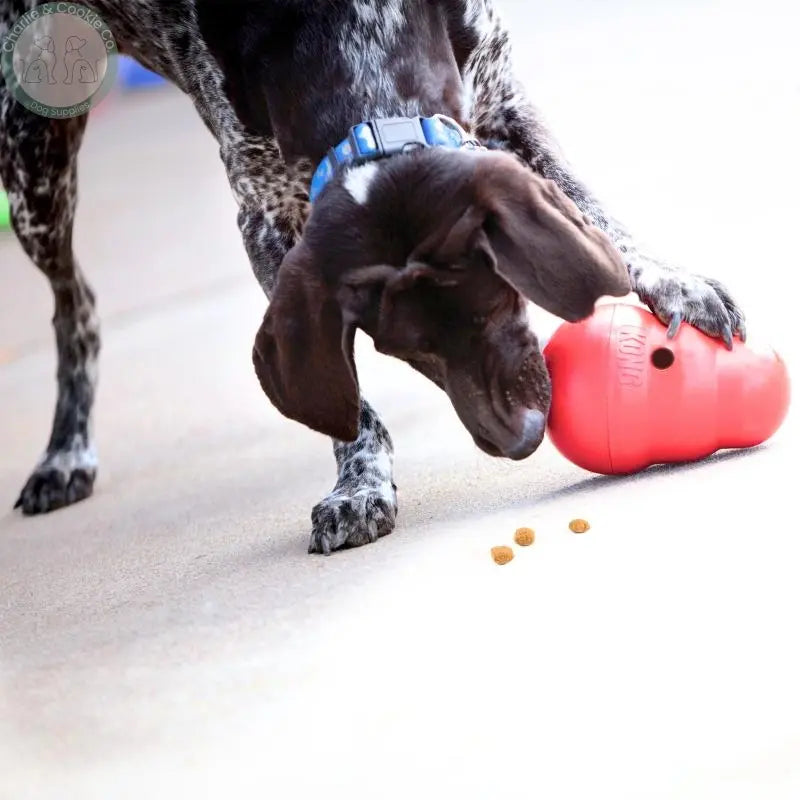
column 533, row 426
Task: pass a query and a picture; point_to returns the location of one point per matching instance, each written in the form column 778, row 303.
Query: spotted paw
column 48, row 489
column 352, row 518
column 675, row 296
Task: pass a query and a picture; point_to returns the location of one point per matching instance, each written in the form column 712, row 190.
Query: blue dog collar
column 381, row 138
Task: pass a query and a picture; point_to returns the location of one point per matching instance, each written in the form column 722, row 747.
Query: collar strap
column 381, row 138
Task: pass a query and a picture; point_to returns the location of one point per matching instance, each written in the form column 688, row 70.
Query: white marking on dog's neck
column 358, row 180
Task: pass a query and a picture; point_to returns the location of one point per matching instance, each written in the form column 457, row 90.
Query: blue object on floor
column 133, row 75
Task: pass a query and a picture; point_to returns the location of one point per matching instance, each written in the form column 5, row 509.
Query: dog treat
column 579, row 526
column 502, row 554
column 524, row 537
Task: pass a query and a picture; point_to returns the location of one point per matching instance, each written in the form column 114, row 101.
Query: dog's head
column 434, row 256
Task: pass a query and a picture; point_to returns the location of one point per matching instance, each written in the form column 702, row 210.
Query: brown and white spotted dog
column 433, row 253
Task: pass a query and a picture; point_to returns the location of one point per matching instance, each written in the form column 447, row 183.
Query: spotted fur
column 43, row 208
column 374, row 46
column 504, row 118
column 363, row 505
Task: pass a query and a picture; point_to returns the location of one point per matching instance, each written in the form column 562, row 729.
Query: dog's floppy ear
column 536, row 239
column 303, row 353
column 406, row 311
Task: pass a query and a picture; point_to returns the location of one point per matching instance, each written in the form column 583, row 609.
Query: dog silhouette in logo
column 76, row 64
column 42, row 64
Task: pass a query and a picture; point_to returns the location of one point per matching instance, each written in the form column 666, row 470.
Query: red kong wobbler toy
column 626, row 397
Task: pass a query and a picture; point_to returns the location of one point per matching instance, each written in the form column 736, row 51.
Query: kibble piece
column 579, row 526
column 524, row 537
column 502, row 554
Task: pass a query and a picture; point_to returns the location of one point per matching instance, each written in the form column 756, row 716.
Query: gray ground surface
column 171, row 638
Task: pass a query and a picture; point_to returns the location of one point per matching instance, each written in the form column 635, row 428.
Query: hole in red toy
column 662, row 358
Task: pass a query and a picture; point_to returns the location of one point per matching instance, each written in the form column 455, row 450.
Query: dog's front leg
column 363, row 504
column 503, row 117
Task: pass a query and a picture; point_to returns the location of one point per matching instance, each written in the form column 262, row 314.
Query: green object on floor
column 5, row 215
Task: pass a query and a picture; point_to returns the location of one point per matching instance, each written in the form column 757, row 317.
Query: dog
column 42, row 64
column 434, row 251
column 77, row 66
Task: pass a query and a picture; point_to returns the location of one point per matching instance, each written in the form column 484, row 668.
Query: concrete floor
column 171, row 638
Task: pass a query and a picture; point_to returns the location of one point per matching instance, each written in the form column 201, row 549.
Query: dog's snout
column 531, row 435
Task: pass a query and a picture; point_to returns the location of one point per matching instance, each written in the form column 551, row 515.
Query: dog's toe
column 49, row 489
column 352, row 519
column 676, row 297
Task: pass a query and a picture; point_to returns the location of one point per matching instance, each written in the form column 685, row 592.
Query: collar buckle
column 385, row 137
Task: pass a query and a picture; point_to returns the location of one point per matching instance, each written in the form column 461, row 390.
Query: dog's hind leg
column 38, row 168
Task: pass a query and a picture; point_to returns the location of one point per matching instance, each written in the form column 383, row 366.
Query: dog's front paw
column 675, row 296
column 51, row 488
column 352, row 518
